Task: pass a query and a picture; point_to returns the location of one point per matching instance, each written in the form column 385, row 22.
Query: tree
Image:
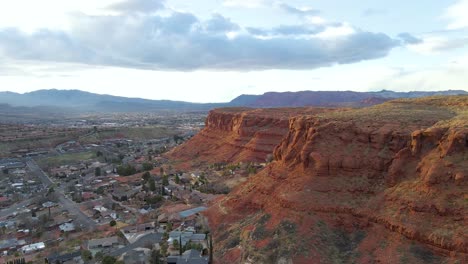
column 161, row 171
column 97, row 172
column 99, row 153
column 165, row 180
column 152, row 185
column 146, row 176
column 211, row 249
column 177, row 179
column 109, row 260
column 175, row 243
column 164, row 248
column 155, row 257
column 147, row 166
column 100, row 190
column 126, row 170
column 113, row 223
column 86, row 255
column 99, row 256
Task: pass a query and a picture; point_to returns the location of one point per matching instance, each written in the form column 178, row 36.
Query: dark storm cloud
column 407, row 38
column 140, row 6
column 181, row 41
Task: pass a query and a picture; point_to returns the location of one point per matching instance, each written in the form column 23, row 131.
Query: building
column 67, row 227
column 137, row 256
column 9, row 244
column 185, row 237
column 139, row 228
column 108, row 242
column 189, row 257
column 74, row 257
column 33, row 248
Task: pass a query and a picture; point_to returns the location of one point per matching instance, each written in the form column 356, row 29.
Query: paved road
column 151, row 238
column 14, row 208
column 82, row 220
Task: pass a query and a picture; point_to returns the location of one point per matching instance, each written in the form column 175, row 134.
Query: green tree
column 177, row 179
column 113, row 223
column 152, row 185
column 99, row 256
column 155, row 257
column 86, row 255
column 97, row 172
column 100, row 190
column 165, row 180
column 175, row 243
column 146, row 176
column 161, row 171
column 109, row 260
column 126, row 170
column 147, row 166
column 99, row 153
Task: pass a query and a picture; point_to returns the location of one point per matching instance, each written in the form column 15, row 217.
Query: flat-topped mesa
column 395, row 172
column 239, row 134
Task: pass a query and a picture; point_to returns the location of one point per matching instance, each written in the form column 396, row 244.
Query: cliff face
column 384, row 184
column 238, row 134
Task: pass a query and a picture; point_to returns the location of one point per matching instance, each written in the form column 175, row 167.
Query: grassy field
column 7, row 147
column 69, row 158
column 135, row 133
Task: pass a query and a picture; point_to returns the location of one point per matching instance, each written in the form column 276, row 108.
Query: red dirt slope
column 386, row 184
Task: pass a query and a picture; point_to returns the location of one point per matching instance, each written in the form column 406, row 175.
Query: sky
column 215, row 50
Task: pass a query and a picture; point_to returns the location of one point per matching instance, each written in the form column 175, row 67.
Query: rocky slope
column 233, row 135
column 386, row 184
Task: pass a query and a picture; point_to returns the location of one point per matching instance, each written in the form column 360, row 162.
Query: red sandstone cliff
column 239, row 134
column 386, row 184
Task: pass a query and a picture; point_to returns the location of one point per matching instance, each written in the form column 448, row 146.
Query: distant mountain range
column 76, row 101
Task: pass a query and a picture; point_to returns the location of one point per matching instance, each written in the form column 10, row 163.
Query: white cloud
column 437, row 44
column 457, row 14
column 245, row 3
column 339, row 31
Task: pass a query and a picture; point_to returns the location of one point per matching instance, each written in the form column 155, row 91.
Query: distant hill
column 89, row 102
column 330, row 98
column 58, row 102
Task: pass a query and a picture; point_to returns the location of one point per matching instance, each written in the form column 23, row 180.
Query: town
column 112, row 199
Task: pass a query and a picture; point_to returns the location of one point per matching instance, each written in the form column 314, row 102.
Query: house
column 120, row 195
column 137, row 256
column 193, row 211
column 188, row 257
column 185, row 237
column 108, row 242
column 9, row 244
column 33, row 248
column 74, row 257
column 138, row 228
column 67, row 227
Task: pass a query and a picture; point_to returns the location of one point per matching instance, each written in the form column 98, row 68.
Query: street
column 151, row 238
column 82, row 220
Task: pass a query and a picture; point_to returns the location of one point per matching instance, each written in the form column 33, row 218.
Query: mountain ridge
column 80, row 101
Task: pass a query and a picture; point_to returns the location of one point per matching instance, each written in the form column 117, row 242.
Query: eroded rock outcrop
column 239, row 134
column 384, row 184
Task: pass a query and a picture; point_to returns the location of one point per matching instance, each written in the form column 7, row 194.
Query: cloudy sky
column 215, row 50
